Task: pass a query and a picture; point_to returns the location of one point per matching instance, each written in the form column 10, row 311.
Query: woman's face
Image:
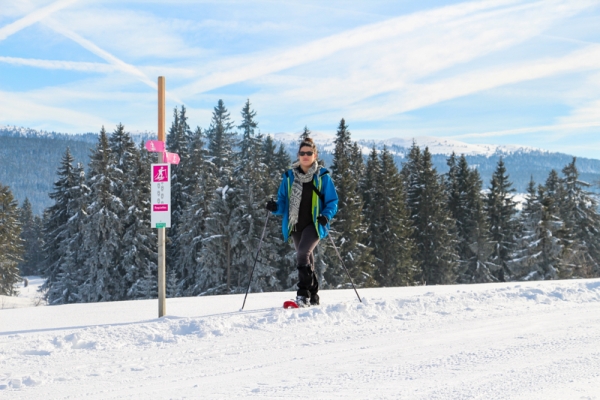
column 307, row 160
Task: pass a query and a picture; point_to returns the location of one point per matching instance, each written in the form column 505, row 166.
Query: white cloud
column 254, row 66
column 20, row 108
column 57, row 64
column 346, row 82
column 34, row 17
column 133, row 34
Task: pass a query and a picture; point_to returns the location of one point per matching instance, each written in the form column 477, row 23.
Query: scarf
column 296, row 195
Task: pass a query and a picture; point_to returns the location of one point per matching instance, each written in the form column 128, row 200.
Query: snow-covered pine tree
column 178, row 141
column 71, row 274
column 305, row 134
column 143, row 279
column 579, row 211
column 126, row 169
column 432, row 223
column 501, row 210
column 526, row 253
column 548, row 231
column 104, row 230
column 33, row 241
column 477, row 267
column 222, row 223
column 269, row 151
column 251, row 183
column 221, row 142
column 11, row 244
column 348, row 229
column 193, row 225
column 56, row 217
column 369, row 185
column 465, row 202
column 278, row 164
column 390, row 227
column 140, row 252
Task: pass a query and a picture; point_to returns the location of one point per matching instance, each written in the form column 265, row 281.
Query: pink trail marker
column 160, row 207
column 171, row 158
column 159, row 174
column 155, row 146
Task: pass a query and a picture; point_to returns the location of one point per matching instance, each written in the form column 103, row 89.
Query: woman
column 308, row 201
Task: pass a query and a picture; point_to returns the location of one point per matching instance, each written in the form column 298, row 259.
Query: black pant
column 305, row 242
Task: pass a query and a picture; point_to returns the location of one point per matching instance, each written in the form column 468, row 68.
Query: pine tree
column 349, row 230
column 305, row 134
column 222, row 223
column 31, row 234
column 178, row 142
column 104, row 230
column 501, row 210
column 286, row 265
column 140, row 252
column 477, row 267
column 390, row 227
column 221, row 141
column 202, row 186
column 527, row 252
column 540, row 246
column 579, row 211
column 465, row 203
column 251, row 195
column 56, row 217
column 274, row 170
column 71, row 275
column 247, row 127
column 433, row 225
column 143, row 280
column 11, row 244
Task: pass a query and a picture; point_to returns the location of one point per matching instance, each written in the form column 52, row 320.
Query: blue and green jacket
column 325, row 205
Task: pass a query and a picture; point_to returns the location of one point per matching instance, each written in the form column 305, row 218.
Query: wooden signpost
column 161, row 195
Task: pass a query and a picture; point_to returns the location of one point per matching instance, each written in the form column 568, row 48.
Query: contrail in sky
column 33, row 17
column 86, row 44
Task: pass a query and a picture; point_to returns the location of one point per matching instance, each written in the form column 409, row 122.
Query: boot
column 302, row 301
column 314, row 299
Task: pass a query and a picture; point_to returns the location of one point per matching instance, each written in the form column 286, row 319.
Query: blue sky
column 494, row 71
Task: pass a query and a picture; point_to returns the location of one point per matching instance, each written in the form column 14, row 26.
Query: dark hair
column 308, row 142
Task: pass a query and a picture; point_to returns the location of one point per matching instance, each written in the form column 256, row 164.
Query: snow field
column 514, row 340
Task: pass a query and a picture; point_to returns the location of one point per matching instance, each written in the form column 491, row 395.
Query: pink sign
column 160, row 207
column 171, row 158
column 155, row 146
column 159, row 173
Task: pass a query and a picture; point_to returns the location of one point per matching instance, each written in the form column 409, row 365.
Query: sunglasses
column 305, row 153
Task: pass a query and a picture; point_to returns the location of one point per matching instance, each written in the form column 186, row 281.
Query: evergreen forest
column 396, row 225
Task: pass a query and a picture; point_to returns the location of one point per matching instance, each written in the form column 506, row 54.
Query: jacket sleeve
column 282, row 197
column 330, row 205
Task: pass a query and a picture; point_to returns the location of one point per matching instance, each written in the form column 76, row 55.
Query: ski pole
column 342, row 261
column 256, row 259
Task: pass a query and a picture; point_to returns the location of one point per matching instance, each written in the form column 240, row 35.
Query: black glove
column 321, row 219
column 271, row 205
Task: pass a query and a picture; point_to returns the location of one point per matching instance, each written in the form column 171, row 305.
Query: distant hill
column 29, row 158
column 521, row 162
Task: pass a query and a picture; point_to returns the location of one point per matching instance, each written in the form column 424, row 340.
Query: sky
column 493, row 71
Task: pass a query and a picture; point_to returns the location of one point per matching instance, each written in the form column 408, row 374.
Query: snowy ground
column 536, row 340
column 28, row 296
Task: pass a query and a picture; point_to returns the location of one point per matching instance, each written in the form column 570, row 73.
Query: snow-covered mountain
column 398, row 145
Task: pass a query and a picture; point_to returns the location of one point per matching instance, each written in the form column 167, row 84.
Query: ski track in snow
column 536, row 340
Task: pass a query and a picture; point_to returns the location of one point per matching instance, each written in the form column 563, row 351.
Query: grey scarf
column 296, row 195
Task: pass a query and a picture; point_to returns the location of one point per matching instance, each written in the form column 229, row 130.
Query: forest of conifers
column 394, row 227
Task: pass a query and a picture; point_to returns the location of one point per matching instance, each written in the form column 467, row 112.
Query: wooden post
column 162, row 258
